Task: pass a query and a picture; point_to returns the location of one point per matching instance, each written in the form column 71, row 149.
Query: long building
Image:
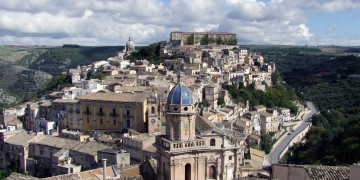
column 114, row 111
column 180, row 38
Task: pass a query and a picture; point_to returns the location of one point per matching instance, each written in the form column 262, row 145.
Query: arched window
column 187, row 172
column 212, row 172
column 212, row 142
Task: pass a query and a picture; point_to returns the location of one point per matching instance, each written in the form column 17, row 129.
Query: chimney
column 104, row 168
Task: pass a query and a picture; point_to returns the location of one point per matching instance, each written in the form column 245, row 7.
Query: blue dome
column 180, row 93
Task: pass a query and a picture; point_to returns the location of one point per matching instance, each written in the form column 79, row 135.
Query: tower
column 180, row 116
column 177, row 149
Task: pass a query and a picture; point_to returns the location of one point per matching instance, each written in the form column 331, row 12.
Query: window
column 100, row 111
column 128, row 123
column 87, row 110
column 212, row 142
column 152, row 110
column 114, row 111
column 128, row 112
column 212, row 172
column 230, row 158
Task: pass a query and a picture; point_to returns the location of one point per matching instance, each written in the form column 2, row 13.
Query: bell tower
column 180, row 115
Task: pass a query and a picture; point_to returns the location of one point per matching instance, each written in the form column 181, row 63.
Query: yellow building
column 73, row 119
column 114, row 111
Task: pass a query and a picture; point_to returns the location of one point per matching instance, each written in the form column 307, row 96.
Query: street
column 273, row 156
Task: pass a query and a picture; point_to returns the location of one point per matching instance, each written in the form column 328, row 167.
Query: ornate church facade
column 193, row 148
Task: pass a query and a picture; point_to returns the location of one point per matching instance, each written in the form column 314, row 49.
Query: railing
column 181, row 145
column 113, row 115
column 100, row 114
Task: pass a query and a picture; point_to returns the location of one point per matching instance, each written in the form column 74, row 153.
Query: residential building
column 114, row 111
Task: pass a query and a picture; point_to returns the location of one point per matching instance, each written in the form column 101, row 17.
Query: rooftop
column 323, row 172
column 115, row 97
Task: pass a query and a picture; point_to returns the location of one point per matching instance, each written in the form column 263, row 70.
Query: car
column 288, row 133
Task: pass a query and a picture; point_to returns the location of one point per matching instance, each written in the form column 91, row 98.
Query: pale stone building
column 194, row 148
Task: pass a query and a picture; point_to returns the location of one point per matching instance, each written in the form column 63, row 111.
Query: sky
column 111, row 22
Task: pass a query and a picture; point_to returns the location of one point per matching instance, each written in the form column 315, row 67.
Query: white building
column 47, row 127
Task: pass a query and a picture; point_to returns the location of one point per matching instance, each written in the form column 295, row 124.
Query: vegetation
column 206, row 41
column 221, row 101
column 14, row 167
column 266, row 142
column 326, row 76
column 280, row 95
column 57, row 60
column 150, row 53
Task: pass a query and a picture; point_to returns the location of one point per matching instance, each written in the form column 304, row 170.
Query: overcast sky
column 111, row 22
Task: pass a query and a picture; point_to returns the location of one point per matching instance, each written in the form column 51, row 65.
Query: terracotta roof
column 21, row 139
column 115, row 97
column 203, row 125
column 323, row 172
column 66, row 101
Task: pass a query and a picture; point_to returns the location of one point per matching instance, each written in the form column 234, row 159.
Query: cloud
column 111, row 22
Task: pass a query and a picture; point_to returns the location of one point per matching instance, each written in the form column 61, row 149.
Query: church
column 194, row 148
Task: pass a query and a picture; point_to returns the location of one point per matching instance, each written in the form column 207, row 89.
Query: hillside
column 26, row 69
column 328, row 77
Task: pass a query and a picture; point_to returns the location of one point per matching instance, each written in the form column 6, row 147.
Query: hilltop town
column 139, row 120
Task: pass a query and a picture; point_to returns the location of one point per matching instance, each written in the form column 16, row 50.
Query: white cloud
column 110, row 22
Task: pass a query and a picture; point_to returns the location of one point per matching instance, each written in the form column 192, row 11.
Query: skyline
column 111, row 22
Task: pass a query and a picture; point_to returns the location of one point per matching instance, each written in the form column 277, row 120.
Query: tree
column 219, row 41
column 221, row 101
column 190, row 40
column 204, row 40
column 204, row 103
column 266, row 142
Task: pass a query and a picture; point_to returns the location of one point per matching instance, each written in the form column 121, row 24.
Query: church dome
column 180, row 95
column 130, row 46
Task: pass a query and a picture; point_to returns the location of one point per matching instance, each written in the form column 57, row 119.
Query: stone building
column 179, row 38
column 211, row 94
column 114, row 111
column 193, row 148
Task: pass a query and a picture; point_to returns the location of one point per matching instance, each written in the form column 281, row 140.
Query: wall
column 296, row 139
column 137, row 115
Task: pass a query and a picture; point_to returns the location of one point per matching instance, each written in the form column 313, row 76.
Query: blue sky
column 111, row 22
column 340, row 23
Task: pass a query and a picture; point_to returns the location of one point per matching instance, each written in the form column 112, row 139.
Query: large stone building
column 179, row 38
column 114, row 111
column 193, row 148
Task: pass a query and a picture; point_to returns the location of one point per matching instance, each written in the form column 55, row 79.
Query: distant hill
column 25, row 69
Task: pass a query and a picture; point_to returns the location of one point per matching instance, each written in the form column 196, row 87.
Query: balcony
column 100, row 114
column 114, row 115
column 181, row 145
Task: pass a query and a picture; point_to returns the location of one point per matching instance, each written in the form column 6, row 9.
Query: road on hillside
column 273, row 156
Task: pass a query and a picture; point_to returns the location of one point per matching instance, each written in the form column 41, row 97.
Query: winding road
column 273, row 156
